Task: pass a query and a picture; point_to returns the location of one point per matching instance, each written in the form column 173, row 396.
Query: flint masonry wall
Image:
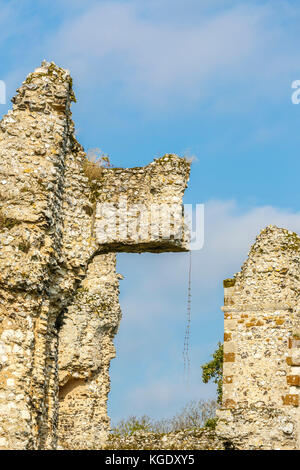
column 59, row 307
column 85, row 351
column 261, row 374
column 60, row 230
column 141, row 208
column 34, row 140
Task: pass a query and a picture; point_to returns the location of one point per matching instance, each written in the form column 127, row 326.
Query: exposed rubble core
column 188, row 439
column 58, row 284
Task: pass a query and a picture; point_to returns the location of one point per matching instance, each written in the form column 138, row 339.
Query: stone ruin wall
column 59, row 308
column 261, row 373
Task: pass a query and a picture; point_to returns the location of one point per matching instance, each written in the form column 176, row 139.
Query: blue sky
column 204, row 78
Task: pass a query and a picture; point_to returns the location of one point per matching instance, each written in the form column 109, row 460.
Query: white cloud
column 162, row 55
column 156, row 58
column 230, row 232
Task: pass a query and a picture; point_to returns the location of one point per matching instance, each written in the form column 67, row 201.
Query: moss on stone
column 7, row 222
column 229, row 282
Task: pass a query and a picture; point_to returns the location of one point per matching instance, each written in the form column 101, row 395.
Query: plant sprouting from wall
column 95, row 161
column 213, row 370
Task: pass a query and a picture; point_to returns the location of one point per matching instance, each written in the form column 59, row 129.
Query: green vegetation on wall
column 213, row 370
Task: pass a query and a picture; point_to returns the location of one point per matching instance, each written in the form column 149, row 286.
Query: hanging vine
column 186, row 352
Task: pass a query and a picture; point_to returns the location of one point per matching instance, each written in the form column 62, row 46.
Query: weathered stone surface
column 261, row 324
column 188, row 439
column 140, row 209
column 34, row 139
column 62, row 221
column 85, row 351
column 59, row 307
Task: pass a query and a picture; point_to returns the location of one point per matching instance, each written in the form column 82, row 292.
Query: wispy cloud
column 161, row 55
column 154, row 59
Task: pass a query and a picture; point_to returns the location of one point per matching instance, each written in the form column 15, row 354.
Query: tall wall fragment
column 85, row 351
column 34, row 139
column 261, row 374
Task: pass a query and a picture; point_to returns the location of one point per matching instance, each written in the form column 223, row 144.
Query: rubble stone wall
column 261, row 373
column 187, row 439
column 60, row 230
column 141, row 208
column 59, row 308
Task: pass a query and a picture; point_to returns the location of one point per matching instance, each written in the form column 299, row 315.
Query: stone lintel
column 140, row 209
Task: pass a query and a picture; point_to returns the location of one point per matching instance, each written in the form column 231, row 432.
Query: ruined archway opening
column 147, row 375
